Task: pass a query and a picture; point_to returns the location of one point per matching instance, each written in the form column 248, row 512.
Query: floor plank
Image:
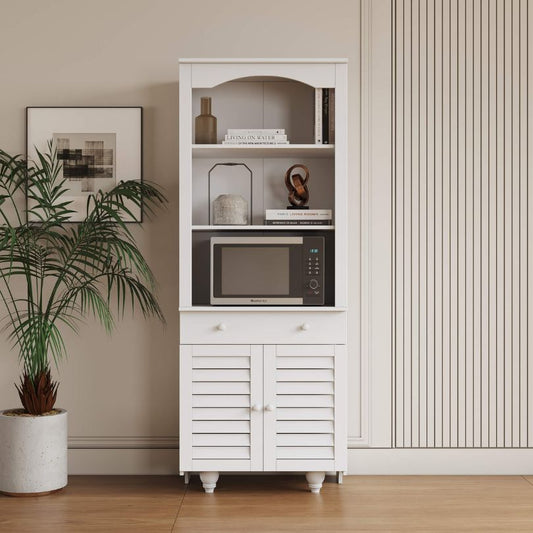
column 277, row 503
column 98, row 503
column 366, row 503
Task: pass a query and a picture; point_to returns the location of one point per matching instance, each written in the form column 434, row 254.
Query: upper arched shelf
column 208, row 73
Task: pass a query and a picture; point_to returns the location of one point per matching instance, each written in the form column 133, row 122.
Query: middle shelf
column 257, row 227
column 263, row 150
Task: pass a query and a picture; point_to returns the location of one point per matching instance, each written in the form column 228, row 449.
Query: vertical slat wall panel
column 500, row 225
column 462, row 216
column 528, row 290
column 431, row 216
column 523, row 243
column 491, row 123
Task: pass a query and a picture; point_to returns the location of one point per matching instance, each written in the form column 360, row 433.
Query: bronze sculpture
column 297, row 186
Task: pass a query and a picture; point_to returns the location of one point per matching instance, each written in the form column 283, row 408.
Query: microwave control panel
column 313, row 270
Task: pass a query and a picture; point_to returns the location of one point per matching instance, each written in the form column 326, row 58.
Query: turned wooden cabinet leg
column 314, row 480
column 209, row 481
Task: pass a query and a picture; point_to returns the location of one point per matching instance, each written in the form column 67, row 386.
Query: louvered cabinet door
column 219, row 430
column 305, row 413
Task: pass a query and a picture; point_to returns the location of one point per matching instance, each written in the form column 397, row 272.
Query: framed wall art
column 98, row 148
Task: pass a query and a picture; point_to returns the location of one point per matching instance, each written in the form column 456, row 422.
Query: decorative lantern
column 231, row 184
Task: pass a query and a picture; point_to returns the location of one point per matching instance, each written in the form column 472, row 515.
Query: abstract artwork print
column 88, row 160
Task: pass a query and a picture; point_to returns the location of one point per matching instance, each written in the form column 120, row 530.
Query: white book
column 280, row 214
column 298, row 222
column 318, row 116
column 254, row 142
column 276, row 137
column 257, row 131
column 322, row 218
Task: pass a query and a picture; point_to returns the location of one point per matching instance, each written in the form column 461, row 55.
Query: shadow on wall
column 160, row 164
column 126, row 385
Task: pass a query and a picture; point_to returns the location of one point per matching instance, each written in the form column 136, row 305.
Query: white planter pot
column 33, row 453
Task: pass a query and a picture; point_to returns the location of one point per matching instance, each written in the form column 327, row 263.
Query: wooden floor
column 277, row 503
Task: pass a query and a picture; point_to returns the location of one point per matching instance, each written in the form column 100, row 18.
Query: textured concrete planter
column 33, row 453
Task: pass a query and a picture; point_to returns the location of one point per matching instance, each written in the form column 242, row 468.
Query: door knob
column 256, row 407
column 305, row 326
column 221, row 327
column 269, row 407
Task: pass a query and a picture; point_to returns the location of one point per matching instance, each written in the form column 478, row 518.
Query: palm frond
column 52, row 273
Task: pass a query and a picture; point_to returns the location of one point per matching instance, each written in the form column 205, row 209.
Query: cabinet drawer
column 257, row 327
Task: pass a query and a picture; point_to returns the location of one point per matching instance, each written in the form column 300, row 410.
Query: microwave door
column 256, row 273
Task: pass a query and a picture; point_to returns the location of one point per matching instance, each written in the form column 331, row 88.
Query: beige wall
column 125, row 52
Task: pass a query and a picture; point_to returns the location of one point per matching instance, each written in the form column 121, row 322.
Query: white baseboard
column 122, row 455
column 117, row 462
column 385, row 461
column 122, row 442
column 159, row 456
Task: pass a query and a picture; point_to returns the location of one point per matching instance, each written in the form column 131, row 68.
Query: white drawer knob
column 269, row 407
column 305, row 326
column 221, row 327
column 256, row 407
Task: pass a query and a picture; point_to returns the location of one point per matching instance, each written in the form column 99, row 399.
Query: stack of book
column 255, row 136
column 307, row 217
column 324, row 116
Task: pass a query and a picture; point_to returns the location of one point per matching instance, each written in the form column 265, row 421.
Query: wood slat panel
column 305, row 374
column 221, row 400
column 305, row 350
column 221, row 413
column 242, row 387
column 305, row 400
column 304, row 413
column 225, row 439
column 304, row 439
column 461, row 253
column 219, row 375
column 305, row 452
column 297, row 387
column 220, row 362
column 305, row 362
column 305, row 405
column 221, row 452
column 304, row 426
column 221, row 426
column 228, row 465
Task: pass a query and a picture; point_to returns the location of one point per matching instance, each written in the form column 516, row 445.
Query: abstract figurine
column 297, row 186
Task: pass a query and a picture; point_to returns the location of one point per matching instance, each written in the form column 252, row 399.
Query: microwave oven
column 267, row 270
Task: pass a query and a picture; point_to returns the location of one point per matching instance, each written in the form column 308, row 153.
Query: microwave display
column 267, row 270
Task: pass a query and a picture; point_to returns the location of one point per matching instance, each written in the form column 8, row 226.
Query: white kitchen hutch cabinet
column 262, row 388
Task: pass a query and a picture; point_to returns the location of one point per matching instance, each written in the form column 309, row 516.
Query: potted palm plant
column 52, row 275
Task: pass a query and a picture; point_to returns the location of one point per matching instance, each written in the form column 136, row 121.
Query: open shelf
column 257, row 308
column 290, row 227
column 262, row 150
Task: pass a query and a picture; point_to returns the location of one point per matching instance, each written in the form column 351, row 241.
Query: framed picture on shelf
column 97, row 146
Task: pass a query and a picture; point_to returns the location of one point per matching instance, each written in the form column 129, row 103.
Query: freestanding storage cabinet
column 262, row 388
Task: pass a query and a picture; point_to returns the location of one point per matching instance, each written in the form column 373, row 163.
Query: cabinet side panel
column 185, row 408
column 185, row 172
column 341, row 185
column 341, row 412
